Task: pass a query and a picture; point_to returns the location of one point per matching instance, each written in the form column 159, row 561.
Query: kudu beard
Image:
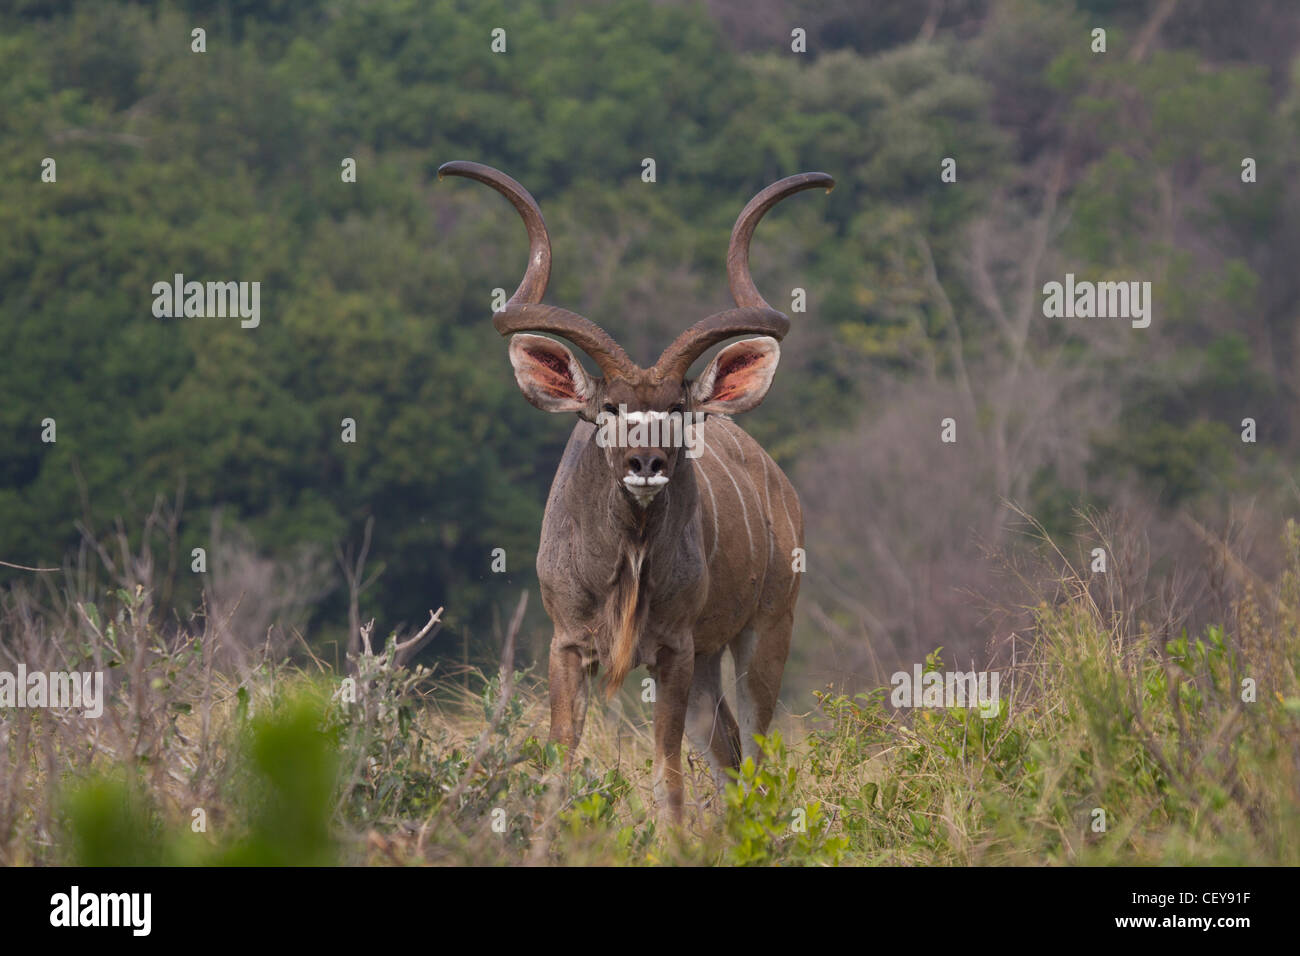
column 626, row 429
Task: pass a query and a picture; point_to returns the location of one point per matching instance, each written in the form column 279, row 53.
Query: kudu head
column 553, row 380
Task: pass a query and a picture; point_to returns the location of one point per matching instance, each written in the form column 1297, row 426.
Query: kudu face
column 644, row 425
column 648, row 418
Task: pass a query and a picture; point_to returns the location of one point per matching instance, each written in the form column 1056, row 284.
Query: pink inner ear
column 736, row 376
column 552, row 374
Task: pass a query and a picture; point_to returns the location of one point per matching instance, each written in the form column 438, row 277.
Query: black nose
column 645, row 463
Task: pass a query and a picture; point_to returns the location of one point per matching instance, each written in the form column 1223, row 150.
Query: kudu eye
column 610, row 408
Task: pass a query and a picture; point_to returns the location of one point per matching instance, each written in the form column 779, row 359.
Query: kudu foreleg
column 569, row 682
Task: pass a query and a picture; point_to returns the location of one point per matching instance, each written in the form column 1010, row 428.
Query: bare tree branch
column 1150, row 29
column 354, row 574
column 406, row 649
column 23, row 567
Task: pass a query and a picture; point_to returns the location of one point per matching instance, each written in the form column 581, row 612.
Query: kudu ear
column 738, row 377
column 548, row 374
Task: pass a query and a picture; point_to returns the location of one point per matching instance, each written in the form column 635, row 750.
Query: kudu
column 649, row 556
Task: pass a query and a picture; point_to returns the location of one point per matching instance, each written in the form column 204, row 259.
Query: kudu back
column 669, row 534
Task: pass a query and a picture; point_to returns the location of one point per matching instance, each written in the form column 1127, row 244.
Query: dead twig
column 507, row 681
column 23, row 567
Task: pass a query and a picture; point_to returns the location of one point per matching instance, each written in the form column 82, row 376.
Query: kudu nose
column 645, row 464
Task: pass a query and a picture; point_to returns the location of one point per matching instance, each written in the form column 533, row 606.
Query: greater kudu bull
column 649, row 556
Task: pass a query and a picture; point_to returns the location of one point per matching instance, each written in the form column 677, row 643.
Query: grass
column 1112, row 745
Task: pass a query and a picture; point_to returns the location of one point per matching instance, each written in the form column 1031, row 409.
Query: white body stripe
column 744, row 511
column 713, row 546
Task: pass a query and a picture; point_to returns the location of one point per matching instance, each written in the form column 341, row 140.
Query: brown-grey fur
column 649, row 556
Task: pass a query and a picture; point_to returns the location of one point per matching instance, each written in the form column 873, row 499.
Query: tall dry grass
column 1119, row 738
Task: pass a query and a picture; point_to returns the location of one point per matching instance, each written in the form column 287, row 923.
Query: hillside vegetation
column 922, row 295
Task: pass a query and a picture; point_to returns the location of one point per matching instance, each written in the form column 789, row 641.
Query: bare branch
column 354, row 574
column 931, row 22
column 1150, row 29
column 23, row 567
column 403, row 651
column 950, row 318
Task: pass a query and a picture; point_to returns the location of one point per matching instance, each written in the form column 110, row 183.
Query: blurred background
column 924, row 297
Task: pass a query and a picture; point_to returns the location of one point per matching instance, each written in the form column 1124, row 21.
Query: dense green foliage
column 376, row 294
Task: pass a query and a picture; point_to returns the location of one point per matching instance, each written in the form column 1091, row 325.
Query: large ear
column 738, row 377
column 548, row 374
